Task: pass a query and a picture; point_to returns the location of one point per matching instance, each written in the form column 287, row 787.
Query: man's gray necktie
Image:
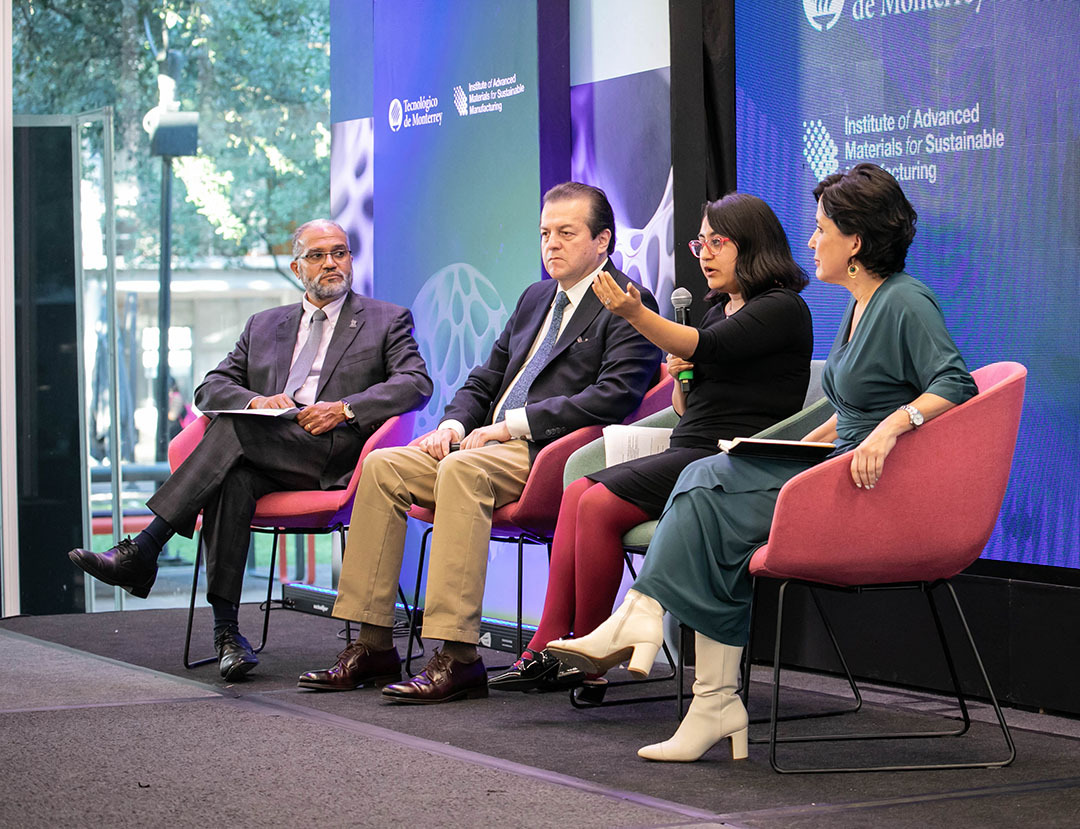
column 516, row 398
column 306, row 358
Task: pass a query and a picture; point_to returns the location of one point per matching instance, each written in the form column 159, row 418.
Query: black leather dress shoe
column 444, row 679
column 235, row 656
column 564, row 679
column 537, row 671
column 357, row 665
column 121, row 566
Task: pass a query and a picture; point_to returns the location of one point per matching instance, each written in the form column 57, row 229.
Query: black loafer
column 235, row 656
column 537, row 671
column 563, row 679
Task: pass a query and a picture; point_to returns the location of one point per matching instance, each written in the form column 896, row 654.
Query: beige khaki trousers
column 463, row 489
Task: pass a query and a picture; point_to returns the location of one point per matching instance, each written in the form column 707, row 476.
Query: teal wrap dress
column 721, row 508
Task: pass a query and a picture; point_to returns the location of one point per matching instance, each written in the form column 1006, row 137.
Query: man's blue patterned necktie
column 516, row 398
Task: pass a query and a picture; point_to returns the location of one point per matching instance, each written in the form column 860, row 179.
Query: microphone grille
column 681, row 298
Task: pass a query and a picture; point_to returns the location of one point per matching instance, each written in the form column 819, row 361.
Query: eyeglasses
column 315, row 257
column 715, row 245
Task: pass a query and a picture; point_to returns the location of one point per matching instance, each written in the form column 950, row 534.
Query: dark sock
column 226, row 615
column 460, row 651
column 154, row 537
column 376, row 637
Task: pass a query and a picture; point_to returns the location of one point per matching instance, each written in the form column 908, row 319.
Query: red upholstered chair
column 531, row 518
column 927, row 519
column 305, row 512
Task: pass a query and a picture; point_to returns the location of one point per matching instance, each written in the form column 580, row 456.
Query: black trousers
column 240, row 459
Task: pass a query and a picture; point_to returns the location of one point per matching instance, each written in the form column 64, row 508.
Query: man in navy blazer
column 561, row 362
column 349, row 362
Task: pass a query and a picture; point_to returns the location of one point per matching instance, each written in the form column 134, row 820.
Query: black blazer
column 597, row 373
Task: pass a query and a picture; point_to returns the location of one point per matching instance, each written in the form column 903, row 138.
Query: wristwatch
column 350, row 415
column 915, row 417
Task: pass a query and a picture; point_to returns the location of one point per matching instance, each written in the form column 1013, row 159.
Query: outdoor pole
column 164, row 312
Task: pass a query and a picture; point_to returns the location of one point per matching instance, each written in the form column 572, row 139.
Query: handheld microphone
column 680, row 301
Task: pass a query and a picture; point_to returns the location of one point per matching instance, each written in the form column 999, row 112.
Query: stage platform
column 100, row 725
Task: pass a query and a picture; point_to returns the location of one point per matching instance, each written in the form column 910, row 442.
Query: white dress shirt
column 516, row 420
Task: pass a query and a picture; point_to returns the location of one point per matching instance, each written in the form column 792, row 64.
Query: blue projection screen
column 457, row 174
column 974, row 106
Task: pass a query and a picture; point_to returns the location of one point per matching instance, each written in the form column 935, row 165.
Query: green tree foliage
column 256, row 71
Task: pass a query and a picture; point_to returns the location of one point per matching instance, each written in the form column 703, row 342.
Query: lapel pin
column 352, row 323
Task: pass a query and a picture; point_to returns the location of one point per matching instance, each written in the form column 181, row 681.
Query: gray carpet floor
column 100, row 725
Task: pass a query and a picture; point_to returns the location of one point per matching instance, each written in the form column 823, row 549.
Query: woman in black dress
column 751, row 364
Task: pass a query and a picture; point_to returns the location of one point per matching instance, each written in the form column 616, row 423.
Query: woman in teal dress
column 892, row 367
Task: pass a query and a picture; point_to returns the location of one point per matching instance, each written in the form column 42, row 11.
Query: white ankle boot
column 634, row 631
column 716, row 711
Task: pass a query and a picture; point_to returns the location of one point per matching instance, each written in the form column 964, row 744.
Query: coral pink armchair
column 927, row 519
column 305, row 512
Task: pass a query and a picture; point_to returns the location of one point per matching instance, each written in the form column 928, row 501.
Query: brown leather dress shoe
column 357, row 665
column 444, row 679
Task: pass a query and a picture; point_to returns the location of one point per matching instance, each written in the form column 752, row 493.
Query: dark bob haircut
column 868, row 201
column 601, row 216
column 764, row 256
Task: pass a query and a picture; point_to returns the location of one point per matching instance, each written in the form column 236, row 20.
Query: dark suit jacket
column 372, row 362
column 597, row 373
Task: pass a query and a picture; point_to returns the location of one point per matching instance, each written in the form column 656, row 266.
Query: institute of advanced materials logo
column 823, row 14
column 820, row 150
column 461, row 102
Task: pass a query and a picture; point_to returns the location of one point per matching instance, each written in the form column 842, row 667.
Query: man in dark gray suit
column 347, row 363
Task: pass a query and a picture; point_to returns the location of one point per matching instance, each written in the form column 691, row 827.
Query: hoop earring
column 852, row 270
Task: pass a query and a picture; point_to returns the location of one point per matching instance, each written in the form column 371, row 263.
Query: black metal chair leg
column 834, row 712
column 839, row 655
column 191, row 610
column 194, row 592
column 520, row 643
column 986, row 681
column 414, row 633
column 680, row 693
column 774, row 739
column 775, row 710
column 519, row 636
column 270, row 579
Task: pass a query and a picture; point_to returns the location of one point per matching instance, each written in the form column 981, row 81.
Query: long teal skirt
column 698, row 562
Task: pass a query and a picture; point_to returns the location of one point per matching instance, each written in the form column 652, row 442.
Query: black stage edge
column 1025, row 631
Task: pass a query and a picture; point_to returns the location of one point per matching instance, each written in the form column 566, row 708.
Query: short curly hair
column 866, row 200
